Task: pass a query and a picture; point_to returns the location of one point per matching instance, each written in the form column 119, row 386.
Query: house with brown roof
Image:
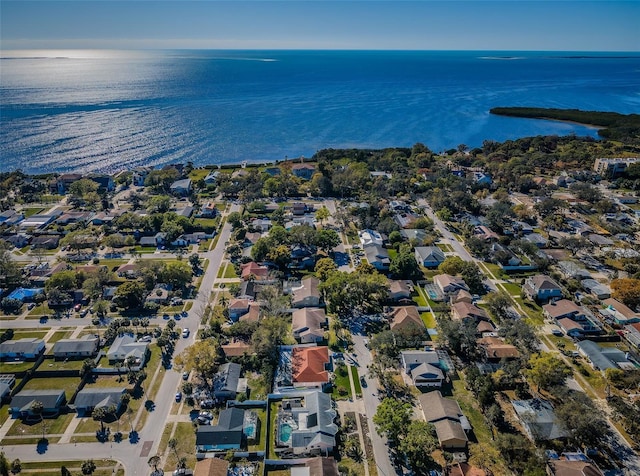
column 495, row 349
column 308, row 294
column 255, row 271
column 254, row 313
column 462, row 295
column 304, row 171
column 319, row 466
column 303, row 367
column 405, row 317
column 573, row 319
column 211, row 467
column 236, row 349
column 399, row 289
column 127, row 270
column 445, row 414
column 573, row 464
column 308, row 324
column 620, row 313
column 464, row 310
column 449, row 284
column 237, row 308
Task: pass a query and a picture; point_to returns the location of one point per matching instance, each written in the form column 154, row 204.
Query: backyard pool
column 285, row 433
column 432, row 294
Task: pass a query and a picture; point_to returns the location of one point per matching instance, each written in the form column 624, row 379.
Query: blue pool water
column 285, row 432
column 432, row 294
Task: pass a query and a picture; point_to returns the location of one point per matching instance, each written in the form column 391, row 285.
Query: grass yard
column 31, row 211
column 29, row 334
column 261, row 442
column 56, row 336
column 341, row 381
column 274, row 407
column 14, row 367
column 186, row 437
column 230, row 271
column 106, row 381
column 68, row 384
column 356, row 380
column 52, row 364
column 258, row 386
column 221, row 270
column 53, row 426
column 104, row 467
column 428, row 319
column 512, row 288
column 355, row 468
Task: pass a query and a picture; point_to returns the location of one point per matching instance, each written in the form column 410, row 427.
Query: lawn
column 341, row 381
column 53, row 426
column 52, row 364
column 274, row 407
column 428, row 319
column 31, row 211
column 10, row 367
column 29, row 334
column 106, row 381
column 512, row 288
column 356, row 380
column 105, row 467
column 68, row 384
column 262, row 437
column 230, row 271
column 186, row 437
column 56, row 336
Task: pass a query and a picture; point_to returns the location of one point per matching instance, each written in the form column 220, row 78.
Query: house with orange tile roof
column 253, row 269
column 405, row 317
column 303, row 367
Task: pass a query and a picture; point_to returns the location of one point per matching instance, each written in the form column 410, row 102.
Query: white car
column 185, row 332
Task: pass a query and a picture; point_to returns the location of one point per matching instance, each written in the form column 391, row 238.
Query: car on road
column 366, row 342
column 178, row 397
column 185, row 332
column 363, row 382
column 185, row 314
column 557, row 332
column 185, row 375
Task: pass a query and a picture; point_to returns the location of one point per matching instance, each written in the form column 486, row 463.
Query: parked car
column 557, row 332
column 363, row 382
column 145, row 339
column 185, row 332
column 31, row 305
column 178, row 397
column 77, row 307
column 185, row 375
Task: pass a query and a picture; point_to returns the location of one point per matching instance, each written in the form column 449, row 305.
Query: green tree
column 324, row 267
column 546, row 370
column 280, row 255
column 451, row 265
column 159, row 204
column 16, row 466
column 498, row 304
column 88, row 467
column 203, row 357
column 392, row 419
column 153, row 462
column 99, row 414
column 4, row 465
column 177, row 274
column 418, row 444
column 129, row 295
column 37, row 409
column 404, row 265
column 327, row 240
column 260, row 249
column 235, row 218
column 10, row 270
column 62, row 280
column 322, row 214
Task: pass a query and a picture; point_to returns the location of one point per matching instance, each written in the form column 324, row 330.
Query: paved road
column 127, row 453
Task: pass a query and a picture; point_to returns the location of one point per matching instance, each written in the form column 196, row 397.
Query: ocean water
column 112, row 110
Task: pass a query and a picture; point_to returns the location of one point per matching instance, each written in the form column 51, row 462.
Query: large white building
column 614, row 166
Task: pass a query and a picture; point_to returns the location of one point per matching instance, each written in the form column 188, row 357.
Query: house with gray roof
column 181, row 187
column 603, row 358
column 541, row 288
column 227, row 382
column 27, row 348
column 445, row 414
column 538, row 419
column 598, row 290
column 308, row 324
column 51, row 400
column 429, row 256
column 90, row 398
column 311, row 421
column 125, row 346
column 307, row 295
column 423, row 367
column 378, row 257
column 226, row 435
column 85, row 346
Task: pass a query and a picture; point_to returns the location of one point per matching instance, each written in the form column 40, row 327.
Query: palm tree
column 153, row 462
column 144, row 322
column 88, row 467
column 173, row 444
column 136, row 322
column 37, row 408
column 99, row 414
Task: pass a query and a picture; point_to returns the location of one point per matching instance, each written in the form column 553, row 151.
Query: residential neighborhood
column 270, row 320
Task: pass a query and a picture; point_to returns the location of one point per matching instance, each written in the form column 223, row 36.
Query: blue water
column 285, row 432
column 110, row 110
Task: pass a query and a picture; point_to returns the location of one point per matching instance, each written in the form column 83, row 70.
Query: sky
column 544, row 25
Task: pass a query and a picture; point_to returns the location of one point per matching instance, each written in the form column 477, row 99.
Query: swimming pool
column 285, row 433
column 250, row 431
column 432, row 294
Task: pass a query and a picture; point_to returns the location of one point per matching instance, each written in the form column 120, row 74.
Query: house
column 64, row 181
column 227, row 382
column 303, row 257
column 253, row 270
column 482, row 178
column 261, row 224
column 611, row 167
column 38, row 221
column 10, row 217
column 429, row 256
column 45, row 242
column 139, row 175
column 541, row 288
column 226, row 435
column 378, row 257
column 537, row 239
column 414, row 234
column 370, row 237
column 181, row 187
column 83, row 347
column 212, row 177
column 236, row 349
column 299, row 208
column 423, row 367
column 105, row 182
column 571, row 269
column 538, row 419
column 211, row 467
column 463, row 310
column 573, row 319
column 307, row 295
column 619, row 313
column 128, row 270
column 303, row 367
column 90, row 398
column 308, row 325
column 573, row 464
column 148, row 241
column 603, row 358
column 310, row 425
column 319, row 466
column 237, row 308
column 102, row 218
column 496, row 349
column 399, row 290
column 461, row 295
column 52, row 401
column 445, row 414
column 125, row 346
column 449, row 284
column 596, row 289
column 158, row 295
column 208, row 210
column 485, row 233
column 27, row 348
column 405, row 318
column 303, row 171
column 19, row 240
column 254, row 313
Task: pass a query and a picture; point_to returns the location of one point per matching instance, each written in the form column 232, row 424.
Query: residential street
column 127, row 453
